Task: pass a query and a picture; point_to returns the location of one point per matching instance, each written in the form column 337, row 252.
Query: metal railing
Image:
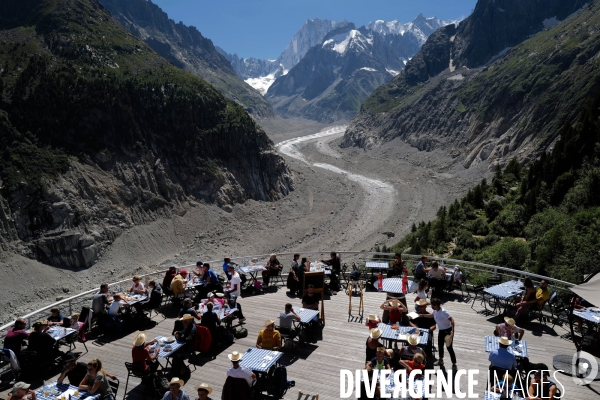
column 356, row 258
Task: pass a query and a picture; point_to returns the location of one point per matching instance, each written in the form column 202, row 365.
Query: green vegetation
column 74, row 83
column 543, row 219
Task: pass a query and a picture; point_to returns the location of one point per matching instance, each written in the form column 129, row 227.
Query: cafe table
column 53, row 391
column 517, row 349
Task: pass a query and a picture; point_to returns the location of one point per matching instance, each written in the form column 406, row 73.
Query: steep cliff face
column 99, row 133
column 187, row 49
column 513, row 104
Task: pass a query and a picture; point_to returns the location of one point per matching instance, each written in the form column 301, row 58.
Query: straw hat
column 394, row 303
column 204, row 386
column 509, row 321
column 375, row 333
column 139, row 339
column 235, row 356
column 42, row 322
column 422, row 302
column 413, row 339
column 268, row 322
column 176, row 381
column 186, row 317
column 372, row 317
column 504, row 340
column 219, row 295
column 273, row 255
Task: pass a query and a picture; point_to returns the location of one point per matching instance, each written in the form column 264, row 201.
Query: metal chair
column 114, row 386
column 130, row 368
column 306, row 396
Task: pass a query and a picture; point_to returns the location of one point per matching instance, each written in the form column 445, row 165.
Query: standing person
column 15, row 336
column 397, row 266
column 272, row 269
column 302, row 268
column 293, row 281
column 445, row 324
column 336, row 268
column 234, row 291
column 95, row 380
column 420, row 270
column 175, row 392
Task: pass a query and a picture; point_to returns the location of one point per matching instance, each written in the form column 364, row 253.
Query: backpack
column 279, row 382
column 257, row 285
column 160, row 386
column 240, row 333
column 225, row 335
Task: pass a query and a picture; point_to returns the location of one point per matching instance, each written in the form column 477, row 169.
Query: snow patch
column 368, row 69
column 262, row 84
column 392, row 72
column 353, row 39
column 458, row 77
column 501, row 10
column 497, row 56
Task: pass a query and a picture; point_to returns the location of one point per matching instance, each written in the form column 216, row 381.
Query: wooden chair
column 306, row 396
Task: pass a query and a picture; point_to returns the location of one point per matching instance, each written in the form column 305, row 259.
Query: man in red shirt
column 142, row 359
column 15, row 336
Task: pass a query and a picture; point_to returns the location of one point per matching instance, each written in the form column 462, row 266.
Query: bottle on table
column 380, row 282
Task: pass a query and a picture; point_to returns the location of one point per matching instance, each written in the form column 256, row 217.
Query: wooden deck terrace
column 316, row 367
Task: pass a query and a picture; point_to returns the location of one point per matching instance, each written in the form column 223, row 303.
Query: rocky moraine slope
column 99, row 133
column 499, row 85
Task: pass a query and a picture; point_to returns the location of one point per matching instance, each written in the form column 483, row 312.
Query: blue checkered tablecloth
column 59, row 333
column 306, row 315
column 505, row 290
column 589, row 315
column 260, row 360
column 247, row 269
column 393, row 334
column 318, row 267
column 174, row 347
column 491, row 343
column 494, row 396
column 59, row 389
column 394, row 285
column 377, row 265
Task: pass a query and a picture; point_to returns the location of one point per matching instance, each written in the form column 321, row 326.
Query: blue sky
column 263, row 28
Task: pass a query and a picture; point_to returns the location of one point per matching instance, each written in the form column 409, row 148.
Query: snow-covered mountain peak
column 352, row 39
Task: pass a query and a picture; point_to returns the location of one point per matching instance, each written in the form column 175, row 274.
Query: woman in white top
column 138, row 286
column 421, row 292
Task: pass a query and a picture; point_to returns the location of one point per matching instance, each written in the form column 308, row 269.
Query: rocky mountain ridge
column 332, row 80
column 98, row 134
column 512, row 104
column 187, row 49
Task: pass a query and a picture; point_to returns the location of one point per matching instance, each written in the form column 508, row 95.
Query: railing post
column 495, row 272
column 70, row 308
column 29, row 322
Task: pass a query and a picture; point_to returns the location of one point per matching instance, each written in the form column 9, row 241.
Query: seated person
column 187, row 334
column 55, row 317
column 15, row 336
column 509, row 329
column 421, row 292
column 226, row 263
column 420, row 269
column 153, row 302
column 437, row 277
column 178, row 285
column 232, row 303
column 73, row 370
column 373, row 344
column 397, row 312
column 425, row 322
column 74, row 322
column 286, row 318
column 188, row 308
column 203, row 391
column 210, row 320
column 168, row 278
column 114, row 309
column 501, row 358
column 457, row 278
column 143, row 361
column 239, row 371
column 507, row 386
column 40, row 340
column 21, row 391
column 394, row 359
column 199, row 271
column 415, row 364
column 310, row 299
column 95, row 380
column 380, row 361
column 272, row 268
column 138, row 286
column 542, row 388
column 269, row 338
column 101, row 300
column 372, row 321
column 409, row 352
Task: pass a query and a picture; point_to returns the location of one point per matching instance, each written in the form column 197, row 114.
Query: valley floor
column 344, row 199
